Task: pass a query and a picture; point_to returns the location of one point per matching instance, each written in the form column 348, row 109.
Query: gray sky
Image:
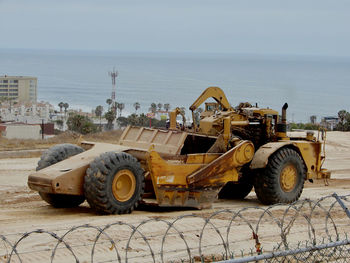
column 314, row 27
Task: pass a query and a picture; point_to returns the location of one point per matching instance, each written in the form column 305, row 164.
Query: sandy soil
column 22, row 209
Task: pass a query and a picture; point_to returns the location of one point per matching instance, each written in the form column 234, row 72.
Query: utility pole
column 42, row 129
column 114, row 75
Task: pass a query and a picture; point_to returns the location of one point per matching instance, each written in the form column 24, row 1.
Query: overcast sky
column 314, row 27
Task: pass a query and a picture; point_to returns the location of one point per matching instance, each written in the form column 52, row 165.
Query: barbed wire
column 201, row 237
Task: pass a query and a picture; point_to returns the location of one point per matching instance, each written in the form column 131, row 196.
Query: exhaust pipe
column 284, row 113
column 282, row 126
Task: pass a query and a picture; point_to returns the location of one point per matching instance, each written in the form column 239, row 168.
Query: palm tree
column 143, row 120
column 160, row 106
column 110, row 116
column 313, row 119
column 133, row 119
column 109, row 102
column 167, row 106
column 98, row 112
column 153, row 107
column 121, row 107
column 341, row 116
column 115, row 107
column 136, row 106
column 61, row 106
column 66, row 106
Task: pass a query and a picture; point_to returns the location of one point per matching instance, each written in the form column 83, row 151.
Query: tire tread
column 96, row 185
column 267, row 186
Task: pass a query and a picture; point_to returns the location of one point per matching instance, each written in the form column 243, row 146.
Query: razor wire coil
column 309, row 228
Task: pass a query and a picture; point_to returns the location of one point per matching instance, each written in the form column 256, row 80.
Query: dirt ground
column 22, row 209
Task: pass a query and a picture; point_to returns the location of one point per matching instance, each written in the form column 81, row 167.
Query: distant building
column 26, row 112
column 161, row 115
column 330, row 122
column 20, row 131
column 26, row 131
column 22, row 89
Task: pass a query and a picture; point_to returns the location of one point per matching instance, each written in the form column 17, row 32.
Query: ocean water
column 311, row 85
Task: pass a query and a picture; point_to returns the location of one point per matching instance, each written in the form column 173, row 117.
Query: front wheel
column 114, row 183
column 282, row 181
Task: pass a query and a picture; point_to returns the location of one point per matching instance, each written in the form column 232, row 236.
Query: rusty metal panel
column 164, row 141
column 146, row 135
column 130, row 134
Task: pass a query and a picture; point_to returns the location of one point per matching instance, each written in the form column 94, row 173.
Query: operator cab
column 210, row 109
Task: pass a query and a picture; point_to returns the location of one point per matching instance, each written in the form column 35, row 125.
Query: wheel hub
column 288, row 178
column 123, row 185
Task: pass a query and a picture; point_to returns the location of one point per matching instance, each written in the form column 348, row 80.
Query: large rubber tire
column 240, row 189
column 114, row 183
column 233, row 190
column 282, row 181
column 58, row 153
column 54, row 155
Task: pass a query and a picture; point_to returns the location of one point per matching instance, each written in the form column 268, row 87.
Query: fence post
column 341, row 204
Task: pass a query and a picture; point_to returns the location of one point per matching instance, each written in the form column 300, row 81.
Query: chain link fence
column 306, row 231
column 327, row 252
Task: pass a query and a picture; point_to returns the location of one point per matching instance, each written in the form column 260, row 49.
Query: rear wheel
column 282, row 181
column 54, row 155
column 114, row 183
column 58, row 153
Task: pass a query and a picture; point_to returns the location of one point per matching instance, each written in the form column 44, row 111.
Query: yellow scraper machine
column 224, row 154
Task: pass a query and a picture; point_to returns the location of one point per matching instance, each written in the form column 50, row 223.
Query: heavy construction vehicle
column 225, row 153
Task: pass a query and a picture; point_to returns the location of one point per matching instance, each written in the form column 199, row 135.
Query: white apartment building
column 26, row 112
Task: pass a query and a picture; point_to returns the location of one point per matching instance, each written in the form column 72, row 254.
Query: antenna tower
column 114, row 75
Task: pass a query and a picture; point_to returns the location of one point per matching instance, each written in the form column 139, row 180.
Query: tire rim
column 288, row 178
column 123, row 185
